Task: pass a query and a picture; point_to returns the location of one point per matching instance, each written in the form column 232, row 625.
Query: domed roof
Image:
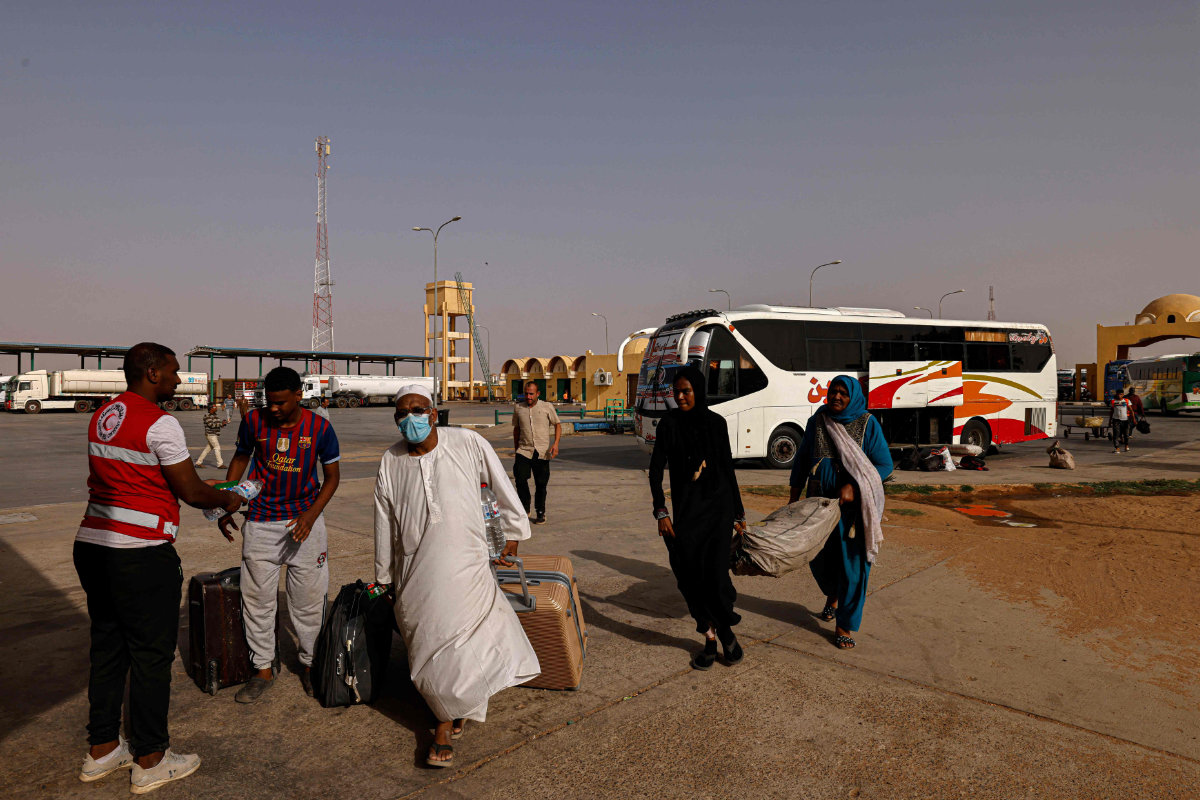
column 1183, row 307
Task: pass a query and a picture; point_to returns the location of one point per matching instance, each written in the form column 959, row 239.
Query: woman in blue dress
column 844, row 456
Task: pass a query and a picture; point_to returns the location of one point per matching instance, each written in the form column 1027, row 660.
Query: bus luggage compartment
column 914, row 384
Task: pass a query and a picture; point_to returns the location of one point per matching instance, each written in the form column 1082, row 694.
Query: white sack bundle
column 788, row 538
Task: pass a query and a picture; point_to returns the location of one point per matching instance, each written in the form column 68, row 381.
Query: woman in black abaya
column 692, row 442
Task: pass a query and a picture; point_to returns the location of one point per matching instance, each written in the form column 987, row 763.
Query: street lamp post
column 435, row 294
column 814, row 272
column 728, row 300
column 601, row 316
column 922, row 308
column 943, row 297
column 488, row 377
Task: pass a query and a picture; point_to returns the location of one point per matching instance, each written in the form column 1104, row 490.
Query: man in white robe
column 464, row 640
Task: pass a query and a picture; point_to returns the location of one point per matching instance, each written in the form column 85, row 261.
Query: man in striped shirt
column 284, row 524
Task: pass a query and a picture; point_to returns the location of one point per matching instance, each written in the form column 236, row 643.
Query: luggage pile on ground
column 354, row 646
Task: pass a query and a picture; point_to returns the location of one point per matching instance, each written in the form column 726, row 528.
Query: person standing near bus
column 692, row 443
column 1122, row 410
column 844, row 456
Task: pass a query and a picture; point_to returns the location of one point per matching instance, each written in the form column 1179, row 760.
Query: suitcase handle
column 527, row 602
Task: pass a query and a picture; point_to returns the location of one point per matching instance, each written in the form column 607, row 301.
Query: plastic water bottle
column 248, row 489
column 491, row 520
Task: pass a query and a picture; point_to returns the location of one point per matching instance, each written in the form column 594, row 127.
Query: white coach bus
column 928, row 381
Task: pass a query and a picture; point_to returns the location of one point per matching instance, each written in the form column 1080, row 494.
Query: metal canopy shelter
column 309, row 357
column 84, row 351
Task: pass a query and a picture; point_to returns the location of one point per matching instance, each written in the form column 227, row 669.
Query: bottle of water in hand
column 491, row 520
column 248, row 489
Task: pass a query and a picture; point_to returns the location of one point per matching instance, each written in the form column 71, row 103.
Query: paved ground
column 960, row 686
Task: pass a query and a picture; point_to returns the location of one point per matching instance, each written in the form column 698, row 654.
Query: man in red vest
column 125, row 557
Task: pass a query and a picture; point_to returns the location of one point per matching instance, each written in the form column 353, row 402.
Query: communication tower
column 322, row 328
column 991, row 302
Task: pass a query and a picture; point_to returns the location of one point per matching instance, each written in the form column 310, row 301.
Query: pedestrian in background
column 323, row 409
column 692, row 442
column 230, row 406
column 533, row 422
column 125, row 556
column 1135, row 405
column 1122, row 410
column 212, row 436
column 844, row 456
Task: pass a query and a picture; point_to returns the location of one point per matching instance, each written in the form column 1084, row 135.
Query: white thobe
column 464, row 640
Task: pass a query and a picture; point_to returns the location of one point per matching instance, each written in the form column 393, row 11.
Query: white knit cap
column 414, row 388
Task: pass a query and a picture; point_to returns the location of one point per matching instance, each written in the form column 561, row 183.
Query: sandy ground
column 1119, row 572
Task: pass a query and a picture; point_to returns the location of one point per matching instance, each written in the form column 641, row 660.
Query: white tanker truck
column 367, row 390
column 86, row 389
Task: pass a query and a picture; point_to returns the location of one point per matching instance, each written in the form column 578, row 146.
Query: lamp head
column 456, row 219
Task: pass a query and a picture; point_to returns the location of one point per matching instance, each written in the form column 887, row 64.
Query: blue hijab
column 857, row 405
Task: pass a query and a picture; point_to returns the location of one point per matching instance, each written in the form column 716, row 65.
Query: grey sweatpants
column 265, row 547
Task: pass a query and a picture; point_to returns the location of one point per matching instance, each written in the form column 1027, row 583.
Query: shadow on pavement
column 658, row 596
column 628, row 630
column 45, row 652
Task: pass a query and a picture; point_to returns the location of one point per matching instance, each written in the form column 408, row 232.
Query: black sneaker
column 252, row 692
column 306, row 680
column 540, row 519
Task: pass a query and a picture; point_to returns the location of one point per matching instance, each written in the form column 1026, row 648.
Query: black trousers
column 540, row 467
column 133, row 599
column 699, row 556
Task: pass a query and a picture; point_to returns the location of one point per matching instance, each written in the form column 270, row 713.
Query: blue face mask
column 415, row 429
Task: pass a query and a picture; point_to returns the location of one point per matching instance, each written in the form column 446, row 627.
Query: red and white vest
column 128, row 493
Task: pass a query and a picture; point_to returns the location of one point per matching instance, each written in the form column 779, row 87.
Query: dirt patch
column 1117, row 572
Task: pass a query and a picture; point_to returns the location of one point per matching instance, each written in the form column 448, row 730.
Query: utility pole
column 322, row 327
column 991, row 302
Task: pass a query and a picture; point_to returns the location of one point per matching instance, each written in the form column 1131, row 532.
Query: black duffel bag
column 1143, row 426
column 351, row 658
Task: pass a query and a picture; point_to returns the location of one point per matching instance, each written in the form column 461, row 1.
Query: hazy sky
column 617, row 157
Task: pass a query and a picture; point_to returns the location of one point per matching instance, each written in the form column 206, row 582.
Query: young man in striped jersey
column 284, row 524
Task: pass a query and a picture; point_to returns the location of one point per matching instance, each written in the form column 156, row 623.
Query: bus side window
column 987, row 357
column 731, row 371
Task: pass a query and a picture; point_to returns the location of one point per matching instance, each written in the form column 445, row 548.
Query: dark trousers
column 133, row 599
column 540, row 467
column 1120, row 431
column 699, row 556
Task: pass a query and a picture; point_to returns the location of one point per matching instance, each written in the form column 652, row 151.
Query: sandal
column 706, row 657
column 439, row 749
column 828, row 612
column 732, row 654
column 844, row 642
column 459, row 725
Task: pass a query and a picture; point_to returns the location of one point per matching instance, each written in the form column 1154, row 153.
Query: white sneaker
column 95, row 769
column 172, row 767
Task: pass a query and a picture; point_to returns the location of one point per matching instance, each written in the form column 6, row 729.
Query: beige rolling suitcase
column 544, row 594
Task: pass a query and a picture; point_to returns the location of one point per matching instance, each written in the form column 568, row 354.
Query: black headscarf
column 692, row 427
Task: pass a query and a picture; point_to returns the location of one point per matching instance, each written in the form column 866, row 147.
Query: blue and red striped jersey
column 285, row 460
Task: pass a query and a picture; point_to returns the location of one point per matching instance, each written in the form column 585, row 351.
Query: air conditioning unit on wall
column 602, row 378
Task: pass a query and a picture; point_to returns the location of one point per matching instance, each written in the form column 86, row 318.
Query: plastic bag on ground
column 788, row 538
column 1060, row 458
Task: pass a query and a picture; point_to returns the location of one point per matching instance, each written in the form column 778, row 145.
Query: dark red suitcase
column 219, row 654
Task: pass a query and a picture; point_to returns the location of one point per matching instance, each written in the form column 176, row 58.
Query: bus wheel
column 1166, row 411
column 32, row 407
column 783, row 446
column 978, row 433
column 82, row 406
